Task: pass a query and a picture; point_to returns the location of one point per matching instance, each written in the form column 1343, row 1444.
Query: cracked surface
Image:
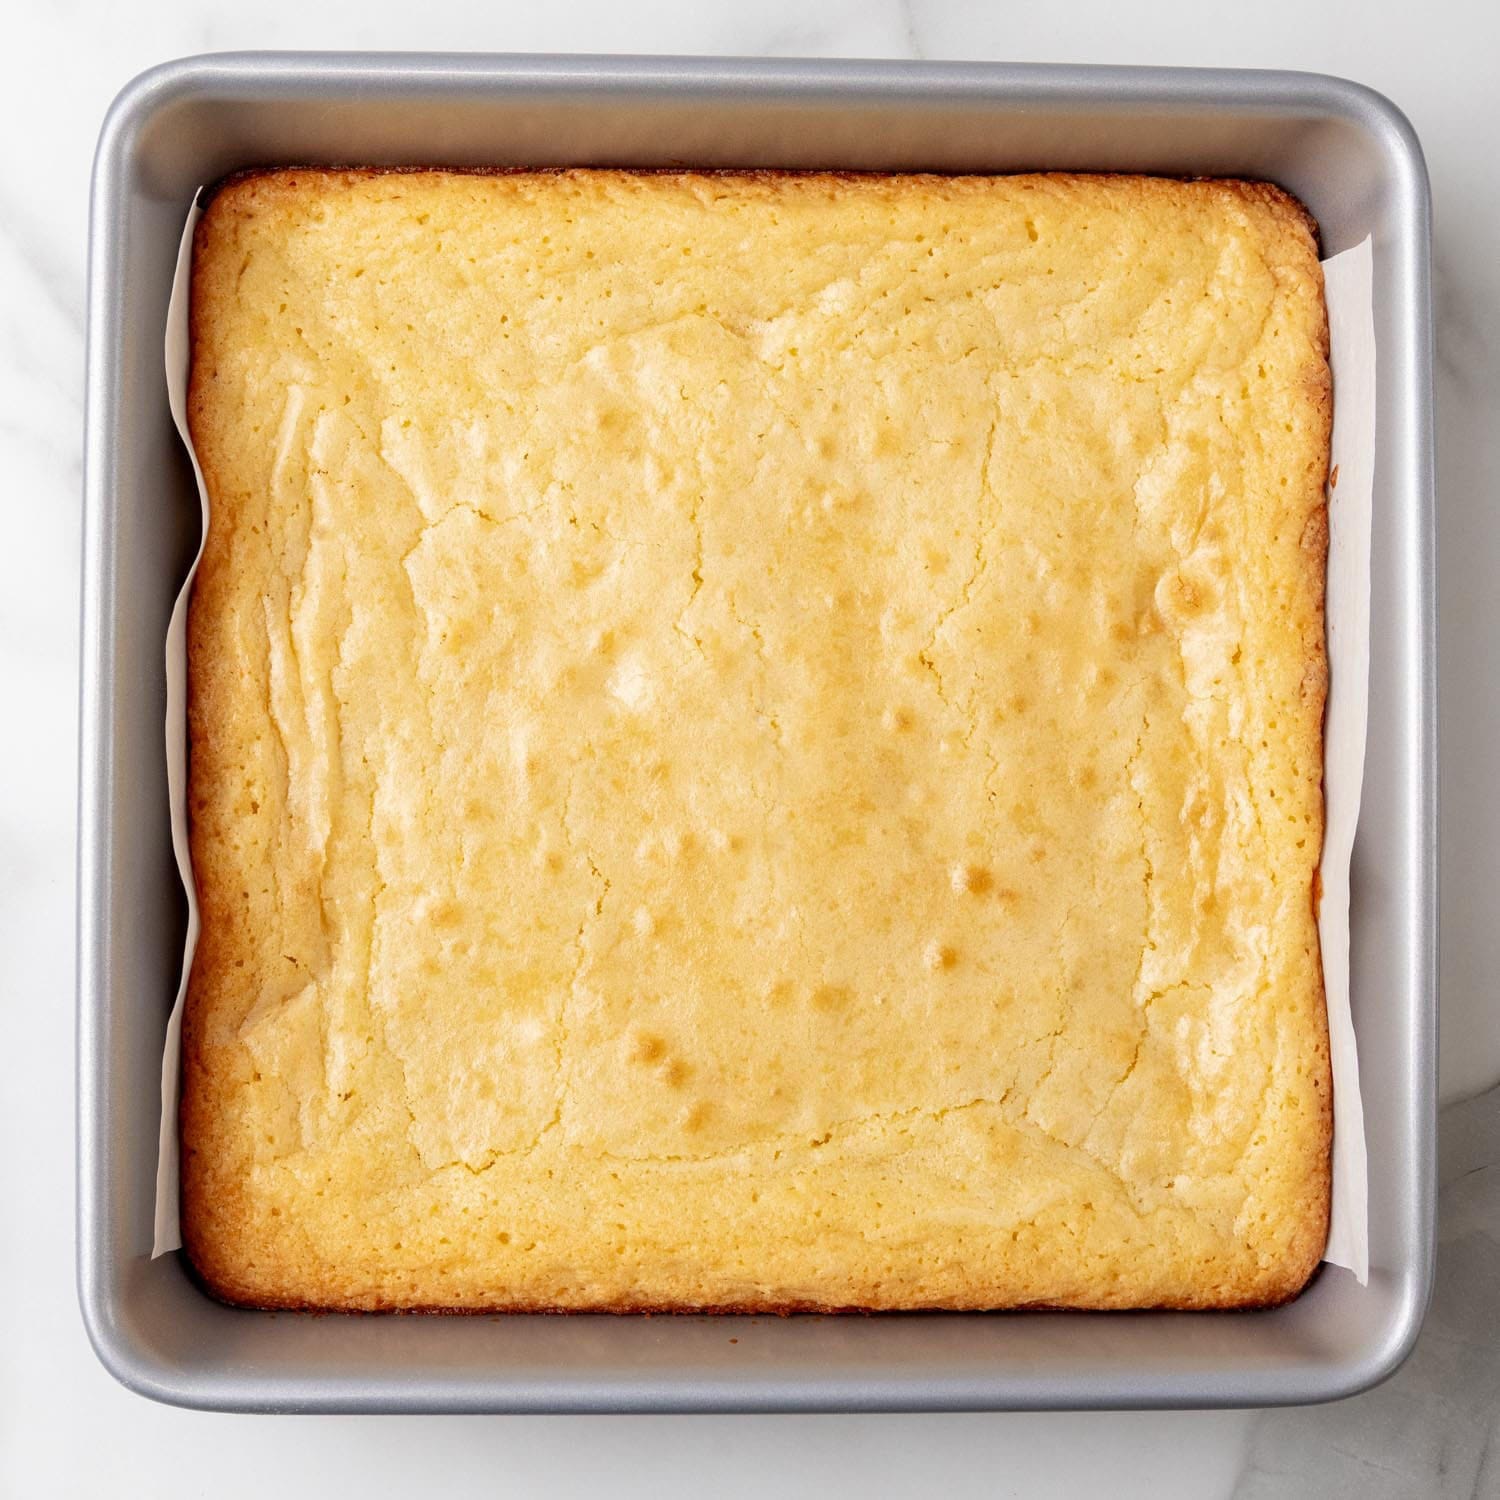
column 756, row 742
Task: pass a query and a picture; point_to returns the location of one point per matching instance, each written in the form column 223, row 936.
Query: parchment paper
column 1347, row 278
column 1348, row 283
column 178, row 353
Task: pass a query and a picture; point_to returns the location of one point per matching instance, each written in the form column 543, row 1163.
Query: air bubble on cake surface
column 648, row 1048
column 831, row 997
column 939, row 956
column 970, row 879
column 678, row 843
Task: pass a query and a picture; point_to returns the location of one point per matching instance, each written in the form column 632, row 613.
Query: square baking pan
column 1347, row 152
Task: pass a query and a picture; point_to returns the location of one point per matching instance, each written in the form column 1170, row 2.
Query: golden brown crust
column 1283, row 204
column 322, row 1137
column 1307, row 1254
column 639, row 1309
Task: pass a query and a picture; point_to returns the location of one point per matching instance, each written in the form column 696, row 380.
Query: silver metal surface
column 1345, row 151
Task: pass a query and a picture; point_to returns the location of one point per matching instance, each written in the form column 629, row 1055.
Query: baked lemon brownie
column 756, row 742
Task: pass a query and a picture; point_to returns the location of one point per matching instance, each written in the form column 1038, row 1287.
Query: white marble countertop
column 66, row 1429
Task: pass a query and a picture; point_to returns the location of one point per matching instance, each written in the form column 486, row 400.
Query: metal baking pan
column 1347, row 152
